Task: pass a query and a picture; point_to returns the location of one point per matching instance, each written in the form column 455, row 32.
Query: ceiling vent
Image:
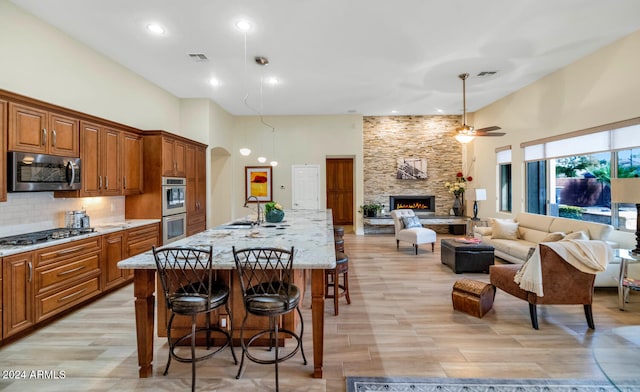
column 487, row 73
column 198, row 57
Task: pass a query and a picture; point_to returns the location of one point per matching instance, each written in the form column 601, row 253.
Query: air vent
column 487, row 73
column 198, row 57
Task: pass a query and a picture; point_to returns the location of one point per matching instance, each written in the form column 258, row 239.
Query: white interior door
column 306, row 185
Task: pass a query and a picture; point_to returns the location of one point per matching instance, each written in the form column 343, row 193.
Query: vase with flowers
column 457, row 188
column 273, row 212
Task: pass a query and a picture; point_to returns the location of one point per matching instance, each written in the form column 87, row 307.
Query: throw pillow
column 553, row 237
column 503, row 229
column 482, row 230
column 411, row 222
column 577, row 235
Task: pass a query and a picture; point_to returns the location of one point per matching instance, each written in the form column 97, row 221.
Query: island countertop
column 310, row 232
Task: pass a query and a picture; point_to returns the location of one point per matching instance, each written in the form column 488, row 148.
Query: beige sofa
column 533, row 229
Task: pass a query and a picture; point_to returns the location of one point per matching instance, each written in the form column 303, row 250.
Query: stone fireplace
column 421, row 205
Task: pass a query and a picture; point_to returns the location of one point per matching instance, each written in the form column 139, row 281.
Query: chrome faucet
column 258, row 217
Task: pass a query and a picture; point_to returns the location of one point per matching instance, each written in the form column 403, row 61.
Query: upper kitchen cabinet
column 132, row 148
column 3, row 161
column 173, row 157
column 101, row 160
column 42, row 132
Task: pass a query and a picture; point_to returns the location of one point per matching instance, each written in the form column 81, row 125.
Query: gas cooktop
column 43, row 236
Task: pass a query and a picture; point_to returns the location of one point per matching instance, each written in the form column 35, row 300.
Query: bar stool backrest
column 185, row 272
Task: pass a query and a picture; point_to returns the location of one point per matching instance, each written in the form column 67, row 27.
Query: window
column 503, row 156
column 505, row 187
column 570, row 175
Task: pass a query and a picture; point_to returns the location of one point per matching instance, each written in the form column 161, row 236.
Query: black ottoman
column 461, row 257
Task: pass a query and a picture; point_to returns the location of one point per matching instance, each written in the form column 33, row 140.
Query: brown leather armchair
column 562, row 283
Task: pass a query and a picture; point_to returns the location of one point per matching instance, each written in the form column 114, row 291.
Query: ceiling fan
column 466, row 133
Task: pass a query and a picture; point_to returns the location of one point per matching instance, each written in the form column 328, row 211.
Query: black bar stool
column 332, row 280
column 266, row 277
column 190, row 290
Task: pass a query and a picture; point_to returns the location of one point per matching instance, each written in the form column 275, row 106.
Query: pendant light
column 245, row 26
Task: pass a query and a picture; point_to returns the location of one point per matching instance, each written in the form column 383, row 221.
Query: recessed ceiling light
column 273, row 81
column 243, row 25
column 439, row 110
column 214, row 82
column 262, row 159
column 394, row 111
column 156, row 28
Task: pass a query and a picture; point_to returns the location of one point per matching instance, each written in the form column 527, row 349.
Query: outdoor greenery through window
column 579, row 187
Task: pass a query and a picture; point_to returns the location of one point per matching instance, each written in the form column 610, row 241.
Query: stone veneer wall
column 385, row 139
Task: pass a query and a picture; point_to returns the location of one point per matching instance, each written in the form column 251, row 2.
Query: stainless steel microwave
column 38, row 172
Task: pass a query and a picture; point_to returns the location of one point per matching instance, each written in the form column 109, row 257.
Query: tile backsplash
column 27, row 212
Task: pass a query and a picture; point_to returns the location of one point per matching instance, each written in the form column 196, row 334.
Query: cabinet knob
column 99, row 182
column 44, row 136
column 54, row 137
column 124, row 182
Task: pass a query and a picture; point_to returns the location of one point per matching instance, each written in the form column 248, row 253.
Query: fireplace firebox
column 422, row 204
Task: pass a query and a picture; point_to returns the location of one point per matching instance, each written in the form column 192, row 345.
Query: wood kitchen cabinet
column 124, row 244
column 131, row 163
column 101, row 160
column 196, row 193
column 17, row 293
column 173, row 157
column 42, row 132
column 66, row 275
column 113, row 250
column 3, row 153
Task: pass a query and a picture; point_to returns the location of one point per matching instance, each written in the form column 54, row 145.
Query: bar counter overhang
column 310, row 232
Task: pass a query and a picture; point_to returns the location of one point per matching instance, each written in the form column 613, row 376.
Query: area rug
column 404, row 384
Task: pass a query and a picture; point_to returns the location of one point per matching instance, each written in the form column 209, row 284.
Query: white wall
column 41, row 62
column 298, row 140
column 598, row 89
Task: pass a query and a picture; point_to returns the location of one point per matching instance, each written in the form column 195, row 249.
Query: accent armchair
column 562, row 283
column 408, row 228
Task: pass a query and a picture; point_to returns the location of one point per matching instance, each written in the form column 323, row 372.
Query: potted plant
column 273, row 212
column 370, row 210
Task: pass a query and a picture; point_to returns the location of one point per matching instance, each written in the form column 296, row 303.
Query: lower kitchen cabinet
column 17, row 294
column 41, row 284
column 66, row 275
column 113, row 247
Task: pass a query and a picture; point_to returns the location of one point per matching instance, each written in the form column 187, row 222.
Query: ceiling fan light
column 464, row 138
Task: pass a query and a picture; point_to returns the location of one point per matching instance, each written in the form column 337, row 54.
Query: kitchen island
column 309, row 232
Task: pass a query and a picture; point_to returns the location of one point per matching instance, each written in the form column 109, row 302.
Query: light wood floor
column 400, row 323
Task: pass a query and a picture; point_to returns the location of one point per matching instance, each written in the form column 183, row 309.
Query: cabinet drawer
column 141, row 246
column 56, row 275
column 142, row 233
column 67, row 251
column 47, row 306
column 196, row 219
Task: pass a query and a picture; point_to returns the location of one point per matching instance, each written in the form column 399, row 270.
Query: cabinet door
column 190, row 174
column 168, row 162
column 17, row 294
column 89, row 153
column 201, row 180
column 27, row 129
column 131, row 164
column 110, row 163
column 180, row 157
column 63, row 135
column 3, row 161
column 113, row 250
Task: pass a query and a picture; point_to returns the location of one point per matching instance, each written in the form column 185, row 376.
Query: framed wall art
column 411, row 168
column 258, row 183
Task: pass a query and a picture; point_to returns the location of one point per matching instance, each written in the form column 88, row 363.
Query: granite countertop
column 100, row 229
column 309, row 232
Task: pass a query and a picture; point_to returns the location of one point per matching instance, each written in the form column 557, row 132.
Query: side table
column 624, row 283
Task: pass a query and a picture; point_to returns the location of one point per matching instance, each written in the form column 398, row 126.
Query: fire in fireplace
column 416, row 203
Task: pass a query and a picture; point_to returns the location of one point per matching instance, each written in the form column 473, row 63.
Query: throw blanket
column 590, row 256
